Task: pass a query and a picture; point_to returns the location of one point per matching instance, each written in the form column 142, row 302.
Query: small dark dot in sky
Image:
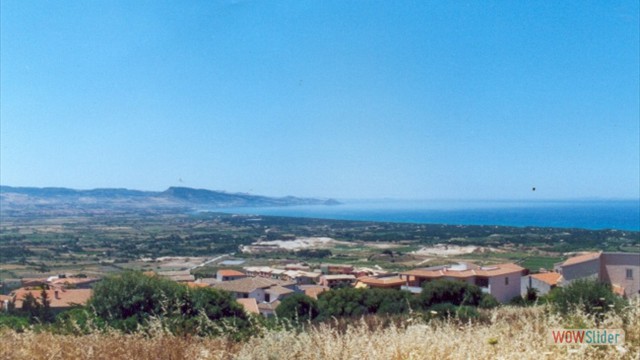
column 533, row 189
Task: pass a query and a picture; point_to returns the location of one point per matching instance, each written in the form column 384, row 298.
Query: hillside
column 30, row 200
column 505, row 333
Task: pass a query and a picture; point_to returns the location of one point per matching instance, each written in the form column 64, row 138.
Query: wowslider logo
column 585, row 336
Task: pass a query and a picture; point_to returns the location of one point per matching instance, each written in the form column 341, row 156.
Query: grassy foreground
column 505, row 333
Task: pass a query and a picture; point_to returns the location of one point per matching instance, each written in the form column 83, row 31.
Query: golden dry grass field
column 507, row 333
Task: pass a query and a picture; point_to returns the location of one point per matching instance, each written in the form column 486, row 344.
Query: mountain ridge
column 60, row 198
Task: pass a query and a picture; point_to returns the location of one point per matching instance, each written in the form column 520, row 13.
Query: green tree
column 488, row 301
column 17, row 323
column 127, row 300
column 31, row 307
column 215, row 304
column 593, row 296
column 45, row 314
column 133, row 294
column 358, row 302
column 449, row 291
column 298, row 307
column 531, row 296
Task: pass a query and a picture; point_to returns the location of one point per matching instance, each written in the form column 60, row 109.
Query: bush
column 133, row 294
column 531, row 296
column 352, row 302
column 518, row 301
column 592, row 296
column 17, row 323
column 78, row 321
column 443, row 310
column 128, row 300
column 466, row 313
column 449, row 291
column 448, row 310
column 488, row 301
column 298, row 307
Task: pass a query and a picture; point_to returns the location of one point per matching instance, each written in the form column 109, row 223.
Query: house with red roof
column 338, row 280
column 229, row 275
column 502, row 280
column 261, row 289
column 250, row 305
column 59, row 298
column 542, row 282
column 387, row 282
column 619, row 269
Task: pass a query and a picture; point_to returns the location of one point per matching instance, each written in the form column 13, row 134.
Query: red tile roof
column 581, row 258
column 249, row 284
column 73, row 281
column 63, row 299
column 617, row 289
column 313, row 290
column 230, row 272
column 485, row 271
column 278, row 290
column 250, row 305
column 550, row 278
column 339, row 277
column 389, row 281
column 269, row 307
column 193, row 284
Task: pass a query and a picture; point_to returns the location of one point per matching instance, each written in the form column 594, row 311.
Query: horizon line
column 378, row 199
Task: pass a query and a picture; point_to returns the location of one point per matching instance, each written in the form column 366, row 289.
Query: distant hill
column 30, row 199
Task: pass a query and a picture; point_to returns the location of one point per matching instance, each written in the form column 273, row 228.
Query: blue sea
column 585, row 214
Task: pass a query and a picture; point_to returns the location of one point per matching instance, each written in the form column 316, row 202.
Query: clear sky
column 345, row 99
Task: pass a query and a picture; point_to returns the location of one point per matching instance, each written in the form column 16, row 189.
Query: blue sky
column 345, row 99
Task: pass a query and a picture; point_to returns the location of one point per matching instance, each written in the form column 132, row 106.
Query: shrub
column 592, row 296
column 450, row 291
column 518, row 301
column 466, row 313
column 357, row 302
column 17, row 323
column 133, row 294
column 128, row 300
column 443, row 310
column 298, row 307
column 79, row 321
column 488, row 301
column 531, row 296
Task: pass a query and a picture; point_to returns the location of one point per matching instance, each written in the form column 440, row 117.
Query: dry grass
column 509, row 333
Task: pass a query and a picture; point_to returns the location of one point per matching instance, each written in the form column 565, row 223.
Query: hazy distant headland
column 585, row 214
column 64, row 200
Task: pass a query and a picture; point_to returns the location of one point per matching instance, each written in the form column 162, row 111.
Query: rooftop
column 230, row 272
column 581, row 258
column 65, row 297
column 249, row 284
column 208, row 281
column 550, row 278
column 193, row 284
column 339, row 277
column 383, row 281
column 279, row 290
column 250, row 305
column 268, row 307
column 469, row 271
column 313, row 290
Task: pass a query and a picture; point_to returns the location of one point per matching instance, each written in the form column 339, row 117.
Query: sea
column 583, row 214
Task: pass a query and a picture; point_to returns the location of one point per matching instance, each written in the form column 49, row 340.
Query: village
column 260, row 289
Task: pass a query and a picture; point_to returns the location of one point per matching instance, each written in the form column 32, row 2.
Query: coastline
column 623, row 215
